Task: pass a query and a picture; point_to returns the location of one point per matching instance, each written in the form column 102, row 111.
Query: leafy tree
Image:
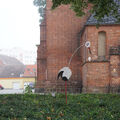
column 99, row 7
column 41, row 4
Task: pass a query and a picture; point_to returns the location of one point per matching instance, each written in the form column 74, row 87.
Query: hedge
column 46, row 107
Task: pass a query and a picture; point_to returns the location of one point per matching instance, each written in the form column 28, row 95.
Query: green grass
column 79, row 107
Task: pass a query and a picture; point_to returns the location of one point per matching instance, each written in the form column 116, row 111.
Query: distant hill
column 10, row 67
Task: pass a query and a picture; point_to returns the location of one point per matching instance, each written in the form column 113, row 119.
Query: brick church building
column 61, row 33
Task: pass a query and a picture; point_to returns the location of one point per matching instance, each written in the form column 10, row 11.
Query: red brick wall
column 41, row 58
column 96, row 78
column 61, row 39
column 115, row 73
column 112, row 38
column 62, row 28
column 98, row 75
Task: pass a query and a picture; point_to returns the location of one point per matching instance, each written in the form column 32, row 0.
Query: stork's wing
column 60, row 74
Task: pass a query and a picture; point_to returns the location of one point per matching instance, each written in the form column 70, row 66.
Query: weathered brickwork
column 41, row 58
column 97, row 77
column 112, row 38
column 115, row 73
column 101, row 75
column 62, row 28
column 61, row 33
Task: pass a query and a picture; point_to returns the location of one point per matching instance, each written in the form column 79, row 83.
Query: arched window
column 101, row 44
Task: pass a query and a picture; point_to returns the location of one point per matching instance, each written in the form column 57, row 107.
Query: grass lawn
column 46, row 107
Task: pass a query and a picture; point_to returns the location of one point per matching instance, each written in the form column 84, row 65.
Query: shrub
column 46, row 107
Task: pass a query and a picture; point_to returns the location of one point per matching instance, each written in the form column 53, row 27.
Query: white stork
column 64, row 73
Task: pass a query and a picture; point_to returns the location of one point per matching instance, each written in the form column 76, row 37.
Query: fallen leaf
column 49, row 118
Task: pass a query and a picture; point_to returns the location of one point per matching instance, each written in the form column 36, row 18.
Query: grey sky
column 19, row 24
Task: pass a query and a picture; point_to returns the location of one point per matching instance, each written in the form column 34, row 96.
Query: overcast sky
column 19, row 24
